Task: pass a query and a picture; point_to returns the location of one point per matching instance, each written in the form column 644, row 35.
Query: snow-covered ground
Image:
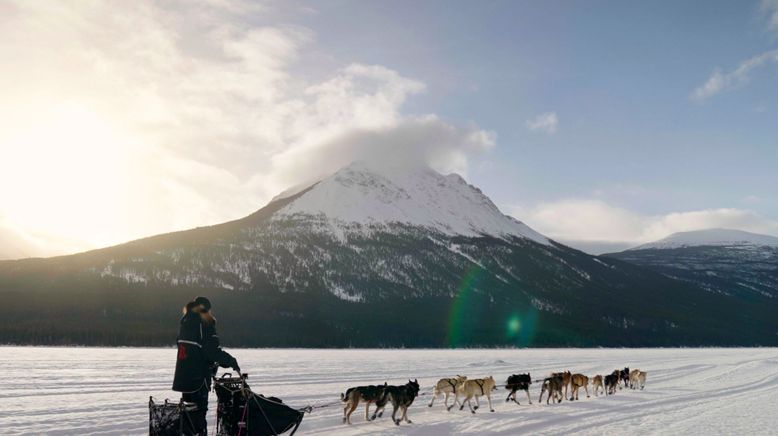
column 689, row 391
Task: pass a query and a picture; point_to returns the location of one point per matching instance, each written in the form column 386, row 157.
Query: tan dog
column 565, row 379
column 597, row 385
column 578, row 381
column 641, row 380
column 633, row 378
column 447, row 386
column 476, row 388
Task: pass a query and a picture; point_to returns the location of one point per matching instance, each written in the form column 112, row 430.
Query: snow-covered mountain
column 369, row 197
column 711, row 237
column 729, row 262
column 369, row 256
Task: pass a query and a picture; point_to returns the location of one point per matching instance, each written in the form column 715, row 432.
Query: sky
column 601, row 124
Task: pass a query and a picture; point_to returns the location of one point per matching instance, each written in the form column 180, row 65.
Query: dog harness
column 453, row 385
column 480, row 384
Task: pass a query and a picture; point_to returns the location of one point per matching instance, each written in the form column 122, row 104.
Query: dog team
column 468, row 390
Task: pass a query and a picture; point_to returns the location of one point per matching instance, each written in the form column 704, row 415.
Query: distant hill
column 739, row 264
column 368, row 257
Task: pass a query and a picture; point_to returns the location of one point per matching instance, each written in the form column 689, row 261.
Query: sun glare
column 65, row 171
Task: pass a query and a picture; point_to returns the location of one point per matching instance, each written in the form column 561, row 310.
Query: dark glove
column 235, row 366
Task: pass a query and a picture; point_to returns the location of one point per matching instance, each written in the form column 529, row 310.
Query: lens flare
column 513, row 326
column 461, row 312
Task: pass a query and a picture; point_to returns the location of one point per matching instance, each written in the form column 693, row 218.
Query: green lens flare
column 513, row 326
column 459, row 311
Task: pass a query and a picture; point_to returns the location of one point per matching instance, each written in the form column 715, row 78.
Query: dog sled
column 171, row 419
column 239, row 412
column 244, row 413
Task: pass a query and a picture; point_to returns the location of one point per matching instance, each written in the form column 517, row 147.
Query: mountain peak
column 711, row 237
column 372, row 195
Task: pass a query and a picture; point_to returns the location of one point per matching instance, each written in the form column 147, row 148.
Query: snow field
column 689, row 391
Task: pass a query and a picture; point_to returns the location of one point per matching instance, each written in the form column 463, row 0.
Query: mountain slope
column 369, row 257
column 712, row 238
column 739, row 264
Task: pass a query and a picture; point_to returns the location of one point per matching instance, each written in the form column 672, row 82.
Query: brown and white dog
column 447, row 386
column 476, row 388
column 578, row 381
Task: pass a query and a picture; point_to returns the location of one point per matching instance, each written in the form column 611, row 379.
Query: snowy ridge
column 369, row 196
column 711, row 237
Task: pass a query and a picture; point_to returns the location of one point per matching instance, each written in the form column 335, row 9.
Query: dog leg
column 434, row 395
column 477, row 403
column 587, row 391
column 405, row 415
column 351, row 410
column 489, row 399
column 528, row 397
column 394, row 414
column 470, row 405
column 367, row 411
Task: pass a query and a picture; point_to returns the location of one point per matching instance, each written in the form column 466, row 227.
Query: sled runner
column 170, row 419
column 242, row 412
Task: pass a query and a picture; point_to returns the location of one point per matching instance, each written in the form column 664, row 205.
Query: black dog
column 624, row 376
column 518, row 382
column 611, row 382
column 401, row 397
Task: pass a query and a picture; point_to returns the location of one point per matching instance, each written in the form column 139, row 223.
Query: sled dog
column 578, row 381
column 633, row 378
column 447, row 386
column 361, row 394
column 611, row 382
column 641, row 380
column 624, row 377
column 401, row 397
column 476, row 388
column 597, row 385
column 565, row 379
column 553, row 387
column 518, row 382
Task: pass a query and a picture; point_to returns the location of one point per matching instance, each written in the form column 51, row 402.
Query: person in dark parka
column 199, row 355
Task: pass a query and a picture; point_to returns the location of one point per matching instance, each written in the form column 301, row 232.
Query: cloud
column 769, row 9
column 546, row 122
column 585, row 223
column 125, row 119
column 721, row 81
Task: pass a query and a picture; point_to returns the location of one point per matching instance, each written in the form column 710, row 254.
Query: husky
column 641, row 380
column 401, row 397
column 447, row 386
column 611, row 382
column 517, row 382
column 362, row 394
column 633, row 378
column 624, row 377
column 565, row 379
column 552, row 385
column 578, row 381
column 597, row 385
column 476, row 388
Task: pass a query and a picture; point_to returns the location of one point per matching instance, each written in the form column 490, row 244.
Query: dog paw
column 491, row 410
column 397, row 422
column 473, row 412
